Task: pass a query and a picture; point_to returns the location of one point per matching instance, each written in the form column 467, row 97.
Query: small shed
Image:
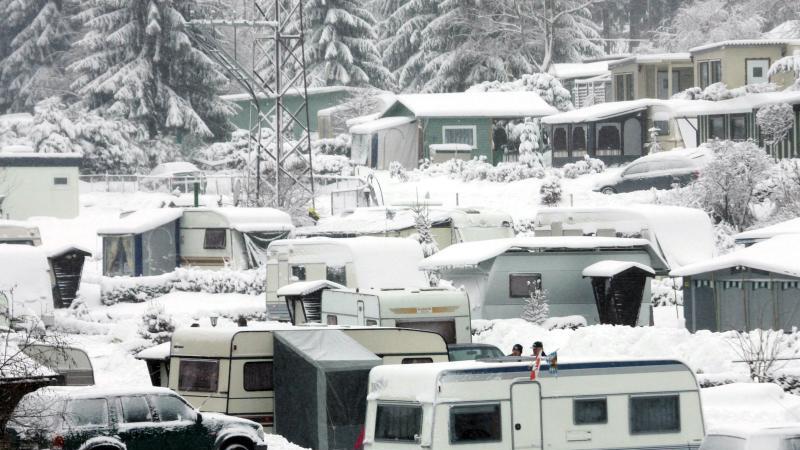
column 321, row 383
column 618, row 287
column 157, row 360
column 757, row 287
column 142, row 243
column 38, row 184
column 66, row 264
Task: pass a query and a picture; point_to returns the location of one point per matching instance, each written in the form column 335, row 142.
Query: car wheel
column 236, row 446
column 608, row 190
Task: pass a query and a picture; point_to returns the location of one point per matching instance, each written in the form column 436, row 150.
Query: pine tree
column 156, row 324
column 342, row 46
column 422, row 222
column 401, row 38
column 33, row 35
column 536, row 308
column 142, row 65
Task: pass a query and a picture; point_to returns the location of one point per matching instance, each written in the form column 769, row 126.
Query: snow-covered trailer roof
column 379, row 262
column 737, row 105
column 652, row 58
column 246, row 220
column 409, row 301
column 302, row 288
column 141, row 221
column 569, row 71
column 471, row 254
column 380, row 124
column 777, row 255
column 744, row 43
column 680, row 235
column 159, row 352
column 604, row 111
column 791, row 226
column 611, row 268
column 477, row 104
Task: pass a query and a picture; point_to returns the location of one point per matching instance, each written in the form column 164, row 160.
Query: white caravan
column 229, row 370
column 362, row 262
column 442, row 311
column 632, row 404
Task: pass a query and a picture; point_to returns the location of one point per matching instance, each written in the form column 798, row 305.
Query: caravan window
column 398, row 422
column 298, row 273
column 258, row 376
column 198, row 375
column 738, row 127
column 214, row 239
column 337, row 274
column 589, row 411
column 655, row 414
column 716, row 127
column 118, row 256
column 475, row 423
column 522, row 284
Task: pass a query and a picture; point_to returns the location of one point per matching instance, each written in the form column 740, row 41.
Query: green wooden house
column 319, row 98
column 443, row 126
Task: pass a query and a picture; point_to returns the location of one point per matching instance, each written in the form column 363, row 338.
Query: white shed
column 38, row 184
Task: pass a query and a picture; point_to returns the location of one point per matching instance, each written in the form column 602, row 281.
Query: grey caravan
column 499, row 275
column 622, row 405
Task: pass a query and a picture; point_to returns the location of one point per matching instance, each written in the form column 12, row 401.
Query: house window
column 716, row 127
column 608, row 140
column 560, row 142
column 299, row 273
column 619, row 87
column 663, row 127
column 738, row 127
column 337, row 274
column 459, row 135
column 522, row 284
column 629, row 86
column 258, row 376
column 198, row 375
column 215, row 239
column 589, row 411
column 60, row 181
column 710, row 72
column 716, row 71
column 656, row 414
column 578, row 141
column 475, row 423
column 398, row 423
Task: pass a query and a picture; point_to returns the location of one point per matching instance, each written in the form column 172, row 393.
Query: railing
column 208, row 184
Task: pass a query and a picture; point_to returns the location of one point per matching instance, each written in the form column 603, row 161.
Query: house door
column 662, row 84
column 526, row 415
column 373, row 158
column 632, row 137
column 360, row 312
column 757, row 71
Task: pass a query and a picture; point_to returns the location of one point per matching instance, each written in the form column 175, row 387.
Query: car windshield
column 472, row 353
column 719, row 442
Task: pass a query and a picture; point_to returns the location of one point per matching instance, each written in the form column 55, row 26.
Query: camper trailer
column 230, row 370
column 442, row 311
column 495, row 405
column 70, row 363
column 19, row 232
column 362, row 262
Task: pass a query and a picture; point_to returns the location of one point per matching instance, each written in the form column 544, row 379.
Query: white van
column 632, row 404
column 442, row 311
column 229, row 370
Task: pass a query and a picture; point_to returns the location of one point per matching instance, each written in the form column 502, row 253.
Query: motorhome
column 363, row 262
column 442, row 311
column 633, row 404
column 230, row 370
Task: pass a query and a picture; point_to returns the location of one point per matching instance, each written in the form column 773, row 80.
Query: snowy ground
column 110, row 333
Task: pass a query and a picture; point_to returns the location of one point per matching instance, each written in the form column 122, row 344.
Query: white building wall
column 33, row 191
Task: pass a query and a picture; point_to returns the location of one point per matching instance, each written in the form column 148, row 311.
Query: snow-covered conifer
column 156, row 324
column 401, row 38
column 536, row 308
column 550, row 191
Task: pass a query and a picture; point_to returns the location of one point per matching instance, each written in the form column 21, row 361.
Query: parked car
column 116, row 419
column 469, row 352
column 178, row 175
column 785, row 437
column 661, row 171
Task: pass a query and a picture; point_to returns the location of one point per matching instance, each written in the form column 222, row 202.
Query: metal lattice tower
column 272, row 31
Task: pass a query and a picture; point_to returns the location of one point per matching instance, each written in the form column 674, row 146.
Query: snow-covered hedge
column 587, row 166
column 478, row 169
column 141, row 289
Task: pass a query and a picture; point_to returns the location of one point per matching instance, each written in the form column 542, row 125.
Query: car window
column 792, row 443
column 634, row 169
column 719, row 442
column 135, row 410
column 87, row 412
column 172, row 408
column 472, row 353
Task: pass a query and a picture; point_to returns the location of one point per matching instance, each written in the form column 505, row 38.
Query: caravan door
column 360, row 312
column 526, row 415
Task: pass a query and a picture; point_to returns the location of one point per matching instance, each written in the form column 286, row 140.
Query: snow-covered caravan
column 499, row 275
column 38, row 184
column 757, row 287
column 26, row 281
column 72, row 364
column 230, row 370
column 142, row 243
column 378, row 143
column 442, row 311
column 680, row 235
column 213, row 238
column 634, row 404
column 362, row 262
column 448, row 225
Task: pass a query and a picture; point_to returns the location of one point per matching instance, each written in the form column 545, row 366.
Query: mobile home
column 651, row 76
column 741, row 62
column 361, row 262
column 38, row 184
column 231, row 370
column 499, row 275
column 585, row 405
column 442, row 311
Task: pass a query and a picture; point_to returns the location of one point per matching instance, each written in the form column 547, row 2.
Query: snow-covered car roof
column 79, row 392
column 159, row 352
column 777, row 254
column 477, row 104
column 171, row 168
column 698, row 156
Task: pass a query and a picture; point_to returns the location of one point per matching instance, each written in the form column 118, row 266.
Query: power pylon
column 276, row 69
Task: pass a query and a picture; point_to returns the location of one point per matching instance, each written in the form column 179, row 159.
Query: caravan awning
column 380, row 124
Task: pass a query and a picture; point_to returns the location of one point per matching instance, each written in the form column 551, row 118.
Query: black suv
column 92, row 418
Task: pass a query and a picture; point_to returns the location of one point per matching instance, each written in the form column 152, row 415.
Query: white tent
column 379, row 142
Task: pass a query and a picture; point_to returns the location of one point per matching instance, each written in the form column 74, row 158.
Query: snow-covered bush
column 332, row 165
column 340, row 145
column 653, row 146
column 666, row 291
column 719, row 91
column 586, row 166
column 115, row 290
column 564, row 323
column 787, row 64
column 782, row 187
column 775, row 122
column 550, row 191
column 536, row 308
column 397, row 171
column 233, row 154
column 506, row 172
column 548, row 87
column 156, row 324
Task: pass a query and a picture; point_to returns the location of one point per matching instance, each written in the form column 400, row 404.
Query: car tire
column 608, row 190
column 236, row 446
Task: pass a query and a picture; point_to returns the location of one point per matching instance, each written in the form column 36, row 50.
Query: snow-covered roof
column 744, row 43
column 651, row 58
column 250, row 220
column 610, row 268
column 364, row 119
column 603, row 111
column 58, row 250
column 477, row 104
column 786, row 30
column 171, row 168
column 302, row 288
column 567, row 71
column 159, row 352
column 380, row 124
column 469, row 254
column 791, row 226
column 778, row 255
column 141, row 221
column 743, row 104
